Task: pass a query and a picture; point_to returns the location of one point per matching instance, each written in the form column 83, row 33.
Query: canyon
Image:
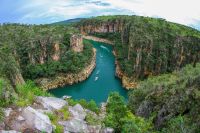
column 142, row 51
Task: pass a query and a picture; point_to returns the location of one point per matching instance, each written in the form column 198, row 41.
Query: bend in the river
column 101, row 82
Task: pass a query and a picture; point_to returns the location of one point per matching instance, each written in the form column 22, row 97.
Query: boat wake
column 98, row 72
column 105, row 48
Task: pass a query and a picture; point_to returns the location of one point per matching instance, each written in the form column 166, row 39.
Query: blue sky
column 185, row 12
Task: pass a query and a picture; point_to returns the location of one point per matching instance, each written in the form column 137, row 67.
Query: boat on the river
column 98, row 72
column 66, row 97
column 105, row 48
column 96, row 78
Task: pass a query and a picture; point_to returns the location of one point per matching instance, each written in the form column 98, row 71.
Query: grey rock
column 51, row 103
column 37, row 120
column 75, row 126
column 20, row 118
column 162, row 116
column 15, row 122
column 94, row 129
column 2, row 126
column 9, row 131
column 7, row 112
column 145, row 109
column 44, row 111
column 107, row 130
column 78, row 112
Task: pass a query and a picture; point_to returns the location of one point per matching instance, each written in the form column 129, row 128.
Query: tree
column 116, row 111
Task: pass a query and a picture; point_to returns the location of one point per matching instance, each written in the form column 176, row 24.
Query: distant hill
column 69, row 21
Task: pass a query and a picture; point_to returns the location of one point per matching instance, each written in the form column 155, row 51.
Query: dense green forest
column 164, row 55
column 31, row 48
column 169, row 97
column 146, row 46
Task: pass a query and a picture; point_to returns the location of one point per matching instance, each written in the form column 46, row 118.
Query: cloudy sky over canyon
column 186, row 12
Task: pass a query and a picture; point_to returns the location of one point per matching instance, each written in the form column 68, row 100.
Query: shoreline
column 97, row 39
column 62, row 80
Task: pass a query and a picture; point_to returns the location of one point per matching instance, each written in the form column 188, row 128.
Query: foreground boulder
column 108, row 130
column 33, row 119
column 78, row 112
column 37, row 120
column 51, row 103
column 75, row 126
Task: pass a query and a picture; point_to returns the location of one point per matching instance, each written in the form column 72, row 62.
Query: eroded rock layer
column 68, row 79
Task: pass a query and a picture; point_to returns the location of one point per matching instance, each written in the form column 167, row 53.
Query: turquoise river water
column 100, row 83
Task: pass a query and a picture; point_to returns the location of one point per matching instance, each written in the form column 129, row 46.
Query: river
column 101, row 82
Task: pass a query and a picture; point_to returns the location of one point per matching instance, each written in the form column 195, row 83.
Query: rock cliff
column 76, row 43
column 102, row 27
column 68, row 79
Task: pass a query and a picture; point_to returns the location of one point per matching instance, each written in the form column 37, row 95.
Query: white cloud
column 181, row 11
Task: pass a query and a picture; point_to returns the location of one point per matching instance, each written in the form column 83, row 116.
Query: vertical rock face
column 56, row 55
column 106, row 27
column 76, row 43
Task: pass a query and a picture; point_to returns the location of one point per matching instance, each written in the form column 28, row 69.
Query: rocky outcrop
column 78, row 112
column 21, row 119
column 76, row 43
column 127, row 82
column 37, row 120
column 75, row 126
column 34, row 118
column 51, row 103
column 56, row 55
column 68, row 79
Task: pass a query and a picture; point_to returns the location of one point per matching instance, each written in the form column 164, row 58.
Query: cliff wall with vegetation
column 146, row 46
column 62, row 79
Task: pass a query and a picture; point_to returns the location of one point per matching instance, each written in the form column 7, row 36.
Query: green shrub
column 91, row 120
column 177, row 125
column 116, row 111
column 60, row 115
column 6, row 93
column 91, row 105
column 54, row 119
column 27, row 93
column 64, row 113
column 121, row 118
column 135, row 124
column 176, row 93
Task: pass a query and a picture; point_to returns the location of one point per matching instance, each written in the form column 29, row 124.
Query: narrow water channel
column 101, row 82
